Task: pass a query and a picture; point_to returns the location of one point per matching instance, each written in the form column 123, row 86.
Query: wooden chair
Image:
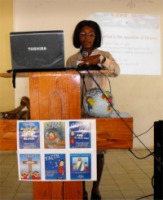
column 19, row 112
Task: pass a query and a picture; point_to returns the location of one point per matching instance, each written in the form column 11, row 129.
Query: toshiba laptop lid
column 37, row 51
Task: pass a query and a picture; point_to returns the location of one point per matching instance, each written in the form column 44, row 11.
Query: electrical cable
column 150, row 153
column 145, row 131
column 152, row 182
column 145, row 196
column 117, row 112
column 136, row 136
column 107, row 79
column 84, row 89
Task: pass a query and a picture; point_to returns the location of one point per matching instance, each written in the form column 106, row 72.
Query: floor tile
column 124, row 177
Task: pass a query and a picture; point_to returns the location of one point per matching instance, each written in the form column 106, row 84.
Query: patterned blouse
column 109, row 64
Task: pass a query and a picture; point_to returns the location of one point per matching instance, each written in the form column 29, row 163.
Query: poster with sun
column 29, row 135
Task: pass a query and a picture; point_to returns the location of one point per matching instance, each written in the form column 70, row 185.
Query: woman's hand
column 91, row 60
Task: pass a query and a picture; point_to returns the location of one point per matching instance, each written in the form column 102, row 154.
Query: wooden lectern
column 56, row 95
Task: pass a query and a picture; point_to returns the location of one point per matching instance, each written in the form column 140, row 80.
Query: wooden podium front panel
column 114, row 133
column 8, row 135
column 55, row 96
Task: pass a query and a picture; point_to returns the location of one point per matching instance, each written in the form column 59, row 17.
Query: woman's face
column 87, row 37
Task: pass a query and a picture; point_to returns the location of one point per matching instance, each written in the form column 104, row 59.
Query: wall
column 6, row 22
column 141, row 96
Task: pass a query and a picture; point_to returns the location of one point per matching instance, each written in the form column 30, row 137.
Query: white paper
column 56, row 150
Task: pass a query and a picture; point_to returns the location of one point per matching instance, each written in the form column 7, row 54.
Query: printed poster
column 80, row 166
column 55, row 166
column 29, row 167
column 29, row 135
column 54, row 134
column 80, row 134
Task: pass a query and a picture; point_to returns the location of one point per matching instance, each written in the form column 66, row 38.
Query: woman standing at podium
column 87, row 37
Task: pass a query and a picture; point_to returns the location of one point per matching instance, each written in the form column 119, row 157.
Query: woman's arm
column 110, row 63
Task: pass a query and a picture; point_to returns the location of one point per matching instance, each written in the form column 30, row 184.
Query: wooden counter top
column 26, row 74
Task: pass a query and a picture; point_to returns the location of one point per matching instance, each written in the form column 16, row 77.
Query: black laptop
column 37, row 51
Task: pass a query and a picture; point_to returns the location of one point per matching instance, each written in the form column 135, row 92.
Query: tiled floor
column 124, row 177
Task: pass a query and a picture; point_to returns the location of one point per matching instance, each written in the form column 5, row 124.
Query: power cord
column 150, row 153
column 136, row 136
column 145, row 196
column 145, row 131
column 149, row 195
column 119, row 114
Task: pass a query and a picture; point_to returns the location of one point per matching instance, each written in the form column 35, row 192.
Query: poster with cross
column 30, row 166
column 29, row 162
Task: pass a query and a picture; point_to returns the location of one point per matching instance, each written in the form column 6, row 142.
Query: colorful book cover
column 54, row 134
column 80, row 134
column 80, row 166
column 29, row 135
column 55, row 166
column 29, row 167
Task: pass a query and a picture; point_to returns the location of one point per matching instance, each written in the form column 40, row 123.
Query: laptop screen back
column 41, row 50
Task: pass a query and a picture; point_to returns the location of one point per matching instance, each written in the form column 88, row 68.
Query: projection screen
column 133, row 40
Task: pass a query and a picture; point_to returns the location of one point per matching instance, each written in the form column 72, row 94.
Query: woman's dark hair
column 92, row 24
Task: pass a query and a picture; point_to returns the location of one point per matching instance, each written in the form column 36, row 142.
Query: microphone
column 84, row 54
column 82, row 67
column 85, row 67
